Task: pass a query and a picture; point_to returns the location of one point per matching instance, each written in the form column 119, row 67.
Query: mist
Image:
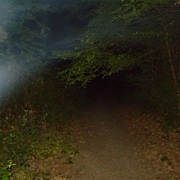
column 31, row 31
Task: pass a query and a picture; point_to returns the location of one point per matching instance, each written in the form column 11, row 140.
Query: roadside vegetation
column 35, row 129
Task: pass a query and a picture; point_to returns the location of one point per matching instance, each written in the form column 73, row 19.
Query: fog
column 29, row 33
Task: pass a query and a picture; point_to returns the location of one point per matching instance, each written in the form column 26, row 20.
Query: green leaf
column 5, row 177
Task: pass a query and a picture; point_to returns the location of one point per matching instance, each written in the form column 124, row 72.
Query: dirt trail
column 107, row 151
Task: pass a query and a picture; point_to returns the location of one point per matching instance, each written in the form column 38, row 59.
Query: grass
column 34, row 129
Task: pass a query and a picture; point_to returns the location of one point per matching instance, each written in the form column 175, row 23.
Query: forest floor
column 117, row 141
column 110, row 139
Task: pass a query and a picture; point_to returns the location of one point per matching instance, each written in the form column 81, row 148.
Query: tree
column 130, row 33
column 166, row 15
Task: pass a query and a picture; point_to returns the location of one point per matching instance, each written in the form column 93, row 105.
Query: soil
column 120, row 142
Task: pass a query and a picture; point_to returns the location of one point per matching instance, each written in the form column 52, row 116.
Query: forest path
column 107, row 150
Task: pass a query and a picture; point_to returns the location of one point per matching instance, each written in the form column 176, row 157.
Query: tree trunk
column 174, row 77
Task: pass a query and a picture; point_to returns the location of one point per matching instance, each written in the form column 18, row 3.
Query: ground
column 111, row 138
column 121, row 142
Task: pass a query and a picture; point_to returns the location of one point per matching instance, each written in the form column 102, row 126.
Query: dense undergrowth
column 33, row 124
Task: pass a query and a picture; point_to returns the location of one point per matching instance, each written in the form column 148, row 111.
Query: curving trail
column 107, row 150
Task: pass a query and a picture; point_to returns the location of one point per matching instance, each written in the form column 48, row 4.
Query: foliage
column 130, row 33
column 95, row 63
column 5, row 170
column 33, row 122
column 97, row 54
